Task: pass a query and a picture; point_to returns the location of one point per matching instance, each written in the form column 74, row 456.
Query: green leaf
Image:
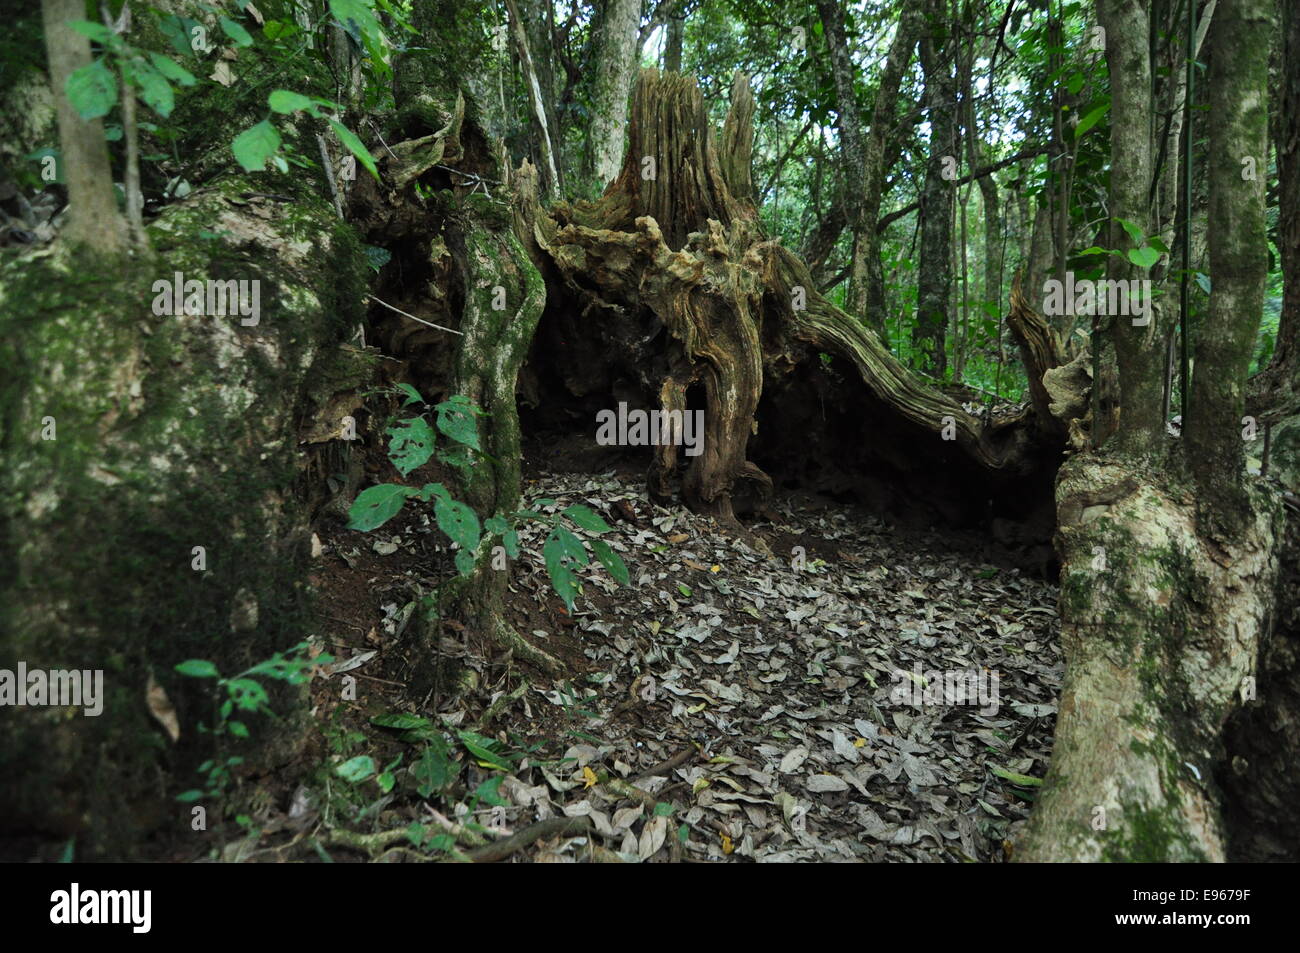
column 189, row 797
column 1134, row 232
column 355, row 146
column 401, row 721
column 1143, row 257
column 92, row 90
column 236, row 32
column 1074, row 83
column 377, row 505
column 255, row 145
column 287, row 101
column 172, row 70
column 198, row 668
column 1203, row 280
column 458, row 521
column 464, row 561
column 489, row 791
column 95, row 31
column 434, row 770
column 238, row 729
column 510, row 540
column 247, row 694
column 357, row 769
column 1094, row 250
column 456, row 420
column 587, row 518
column 412, row 395
column 278, row 29
column 477, row 746
column 154, row 88
column 1091, row 119
column 1022, row 780
column 377, row 257
column 410, row 444
column 663, row 809
column 611, row 561
column 562, row 549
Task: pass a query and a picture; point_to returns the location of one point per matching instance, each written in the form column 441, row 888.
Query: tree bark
column 1168, row 577
column 1139, row 357
column 867, row 277
column 934, row 271
column 93, row 218
column 612, row 68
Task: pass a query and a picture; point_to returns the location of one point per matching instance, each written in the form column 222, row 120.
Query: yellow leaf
column 589, row 777
column 715, row 568
column 859, row 742
column 726, row 844
column 696, row 709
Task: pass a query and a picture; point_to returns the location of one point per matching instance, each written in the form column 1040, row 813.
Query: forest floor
column 737, row 700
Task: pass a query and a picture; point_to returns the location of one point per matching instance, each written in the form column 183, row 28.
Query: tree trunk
column 1138, row 354
column 93, row 218
column 934, row 271
column 1167, row 579
column 612, row 68
column 867, row 278
column 673, row 42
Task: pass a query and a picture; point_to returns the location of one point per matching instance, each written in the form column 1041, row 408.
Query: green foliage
column 245, row 694
column 413, row 443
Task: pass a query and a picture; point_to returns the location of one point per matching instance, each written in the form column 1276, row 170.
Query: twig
column 666, row 766
column 413, row 317
column 329, row 174
column 501, row 703
column 551, row 827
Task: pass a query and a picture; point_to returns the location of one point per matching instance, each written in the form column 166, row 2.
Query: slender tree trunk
column 846, row 106
column 1238, row 121
column 673, row 42
column 867, row 278
column 612, row 68
column 93, row 218
column 551, row 180
column 934, row 280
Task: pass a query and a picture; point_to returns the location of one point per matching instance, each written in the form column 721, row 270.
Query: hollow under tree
column 670, row 276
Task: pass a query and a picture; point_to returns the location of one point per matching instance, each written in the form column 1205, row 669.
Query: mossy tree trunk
column 146, row 506
column 496, row 333
column 934, row 267
column 1169, row 560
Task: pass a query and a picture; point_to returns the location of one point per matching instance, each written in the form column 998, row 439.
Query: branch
column 887, row 220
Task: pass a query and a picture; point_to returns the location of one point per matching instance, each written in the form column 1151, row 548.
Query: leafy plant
column 1146, row 250
column 414, row 441
column 244, row 695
